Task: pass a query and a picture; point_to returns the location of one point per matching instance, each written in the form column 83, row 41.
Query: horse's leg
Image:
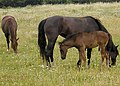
column 49, row 51
column 7, row 39
column 79, row 61
column 82, row 53
column 107, row 59
column 89, row 50
column 51, row 55
column 102, row 51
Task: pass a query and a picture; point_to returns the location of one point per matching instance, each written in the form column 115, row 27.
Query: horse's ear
column 17, row 39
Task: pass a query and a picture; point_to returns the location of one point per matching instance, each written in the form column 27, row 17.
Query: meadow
column 25, row 68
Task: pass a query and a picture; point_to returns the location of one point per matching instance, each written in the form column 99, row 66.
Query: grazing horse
column 9, row 27
column 54, row 26
column 83, row 40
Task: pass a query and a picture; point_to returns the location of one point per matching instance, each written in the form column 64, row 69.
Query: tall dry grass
column 24, row 69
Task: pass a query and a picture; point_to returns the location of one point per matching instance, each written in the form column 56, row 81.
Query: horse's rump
column 8, row 22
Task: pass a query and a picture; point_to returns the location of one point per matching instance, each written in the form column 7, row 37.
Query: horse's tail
column 101, row 27
column 41, row 38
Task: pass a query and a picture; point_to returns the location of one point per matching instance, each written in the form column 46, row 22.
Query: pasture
column 24, row 68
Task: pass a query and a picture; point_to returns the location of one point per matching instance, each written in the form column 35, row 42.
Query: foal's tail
column 41, row 38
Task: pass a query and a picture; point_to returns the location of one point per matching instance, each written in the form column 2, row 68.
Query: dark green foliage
column 15, row 3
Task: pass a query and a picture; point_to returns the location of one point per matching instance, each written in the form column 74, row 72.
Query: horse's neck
column 69, row 43
column 110, row 45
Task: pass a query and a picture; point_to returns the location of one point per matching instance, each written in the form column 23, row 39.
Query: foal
column 9, row 27
column 85, row 40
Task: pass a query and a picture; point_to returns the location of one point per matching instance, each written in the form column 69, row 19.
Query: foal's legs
column 81, row 57
column 89, row 50
column 104, row 55
column 7, row 39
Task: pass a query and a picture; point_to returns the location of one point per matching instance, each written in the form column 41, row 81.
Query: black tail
column 41, row 38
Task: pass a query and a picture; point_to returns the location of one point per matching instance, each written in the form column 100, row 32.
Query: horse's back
column 100, row 36
column 65, row 26
column 92, row 39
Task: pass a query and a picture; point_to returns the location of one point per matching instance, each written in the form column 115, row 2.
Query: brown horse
column 83, row 40
column 51, row 27
column 9, row 27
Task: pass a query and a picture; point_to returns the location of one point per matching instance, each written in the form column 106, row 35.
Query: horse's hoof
column 48, row 67
column 15, row 52
column 88, row 66
column 63, row 58
column 52, row 64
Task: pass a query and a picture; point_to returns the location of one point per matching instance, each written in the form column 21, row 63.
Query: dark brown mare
column 83, row 40
column 9, row 27
column 54, row 26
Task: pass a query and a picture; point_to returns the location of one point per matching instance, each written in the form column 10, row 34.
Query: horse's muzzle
column 62, row 58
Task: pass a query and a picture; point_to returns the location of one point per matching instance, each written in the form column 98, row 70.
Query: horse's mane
column 100, row 25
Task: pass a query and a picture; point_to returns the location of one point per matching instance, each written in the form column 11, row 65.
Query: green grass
column 24, row 69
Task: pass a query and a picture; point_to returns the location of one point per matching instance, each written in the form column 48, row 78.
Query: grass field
column 24, row 69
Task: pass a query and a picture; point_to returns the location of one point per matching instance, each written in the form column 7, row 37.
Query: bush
column 15, row 3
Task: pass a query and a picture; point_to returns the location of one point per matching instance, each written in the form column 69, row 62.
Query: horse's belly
column 91, row 44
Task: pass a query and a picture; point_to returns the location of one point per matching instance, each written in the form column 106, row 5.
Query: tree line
column 22, row 3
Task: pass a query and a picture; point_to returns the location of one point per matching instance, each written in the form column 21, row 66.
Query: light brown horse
column 85, row 40
column 9, row 27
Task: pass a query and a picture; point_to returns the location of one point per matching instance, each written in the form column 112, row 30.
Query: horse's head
column 14, row 44
column 63, row 50
column 113, row 55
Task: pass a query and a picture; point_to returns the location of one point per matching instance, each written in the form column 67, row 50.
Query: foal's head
column 14, row 44
column 63, row 50
column 67, row 43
